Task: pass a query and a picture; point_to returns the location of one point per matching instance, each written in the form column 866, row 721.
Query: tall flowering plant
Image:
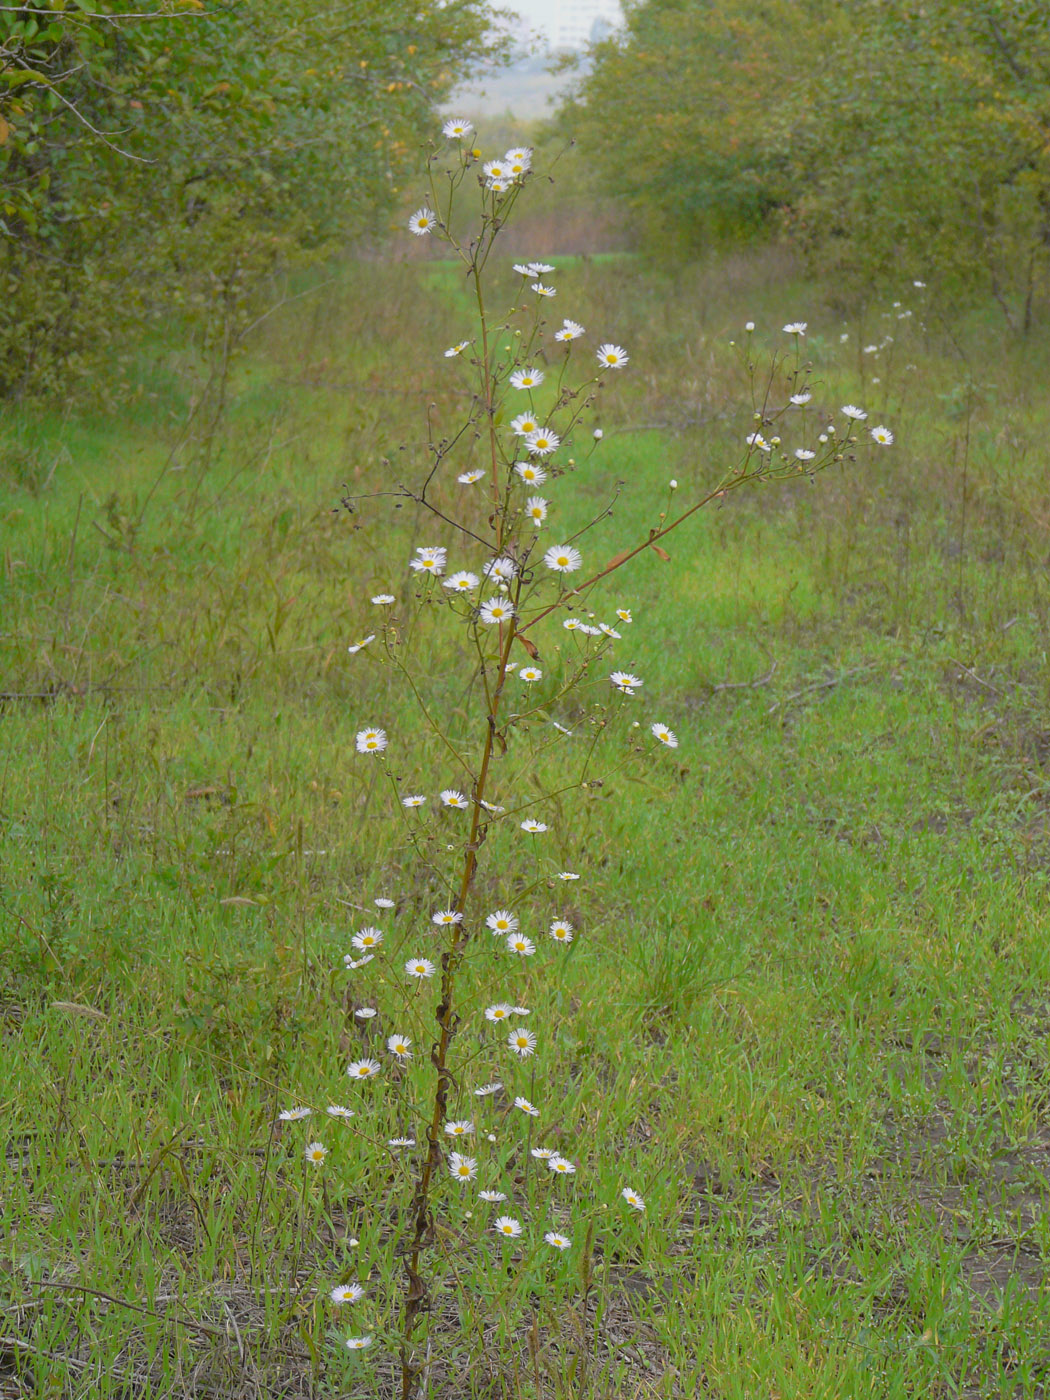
column 442, row 980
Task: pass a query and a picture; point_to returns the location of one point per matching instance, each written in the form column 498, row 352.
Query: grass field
column 806, row 1014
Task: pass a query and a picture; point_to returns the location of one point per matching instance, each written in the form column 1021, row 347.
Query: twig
column 763, row 679
column 190, row 1324
column 975, row 677
column 820, row 685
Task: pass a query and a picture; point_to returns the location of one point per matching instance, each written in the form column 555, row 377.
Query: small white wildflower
column 315, row 1152
column 522, row 1041
column 665, row 735
column 529, row 674
column 422, row 221
column 508, row 1226
column 294, row 1115
column 533, row 827
column 371, row 740
column 522, row 946
column 383, row 600
column 470, row 478
column 527, row 378
column 357, row 646
column 363, row 1069
column 632, row 1198
column 462, row 1168
column 527, row 1107
column 796, row 327
column 612, row 356
column 882, row 435
column 399, row 1045
column 414, row 799
column 457, row 128
column 571, row 330
column 452, row 797
column 625, row 682
column 557, row 1241
column 563, row 558
column 850, row 410
column 347, row 1293
column 494, row 612
column 457, row 349
column 420, row 967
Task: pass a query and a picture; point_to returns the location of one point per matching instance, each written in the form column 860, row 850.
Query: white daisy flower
column 459, row 1127
column 367, row 938
column 358, row 1343
column 457, row 128
column 454, row 350
column 804, row 455
column 495, row 170
column 357, row 646
column 507, row 1225
column 383, row 903
column 462, row 1168
column 469, row 478
column 533, row 827
column 347, row 1293
column 557, row 1241
column 796, row 328
column 882, row 435
column 665, row 735
column 371, row 740
column 383, row 600
column 749, row 326
column 536, row 510
column 632, row 1198
column 522, row 1041
column 430, row 561
column 542, row 290
column 401, row 1142
column 527, row 378
column 612, row 356
column 499, row 1011
column 625, row 682
column 492, row 1196
column 414, row 799
column 294, row 1115
column 561, row 1166
column 758, row 441
column 315, row 1152
column 366, row 1013
column 542, row 442
column 561, row 931
column 624, row 614
column 354, row 963
column 495, row 611
column 519, row 944
column 563, row 558
column 571, row 330
column 571, row 624
column 487, row 1090
column 422, row 221
column 524, row 269
column 502, row 921
column 502, row 569
column 543, row 1154
column 527, row 1107
column 338, row 1110
column 451, row 797
column 538, row 269
column 420, row 967
column 608, row 631
column 529, row 674
column 850, row 410
column 363, row 1069
column 567, row 875
column 524, row 424
column 399, row 1045
column 531, row 473
column 443, row 917
column 800, row 400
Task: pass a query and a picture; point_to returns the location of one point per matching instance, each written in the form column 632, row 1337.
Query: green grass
column 806, row 1010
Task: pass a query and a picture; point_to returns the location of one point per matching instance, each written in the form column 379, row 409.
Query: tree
column 166, row 155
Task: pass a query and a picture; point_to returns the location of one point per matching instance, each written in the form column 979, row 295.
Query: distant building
column 583, row 22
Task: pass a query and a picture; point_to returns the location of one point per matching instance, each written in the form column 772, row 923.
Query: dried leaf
column 660, row 553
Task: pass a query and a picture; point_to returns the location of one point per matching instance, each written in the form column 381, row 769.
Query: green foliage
column 876, row 134
column 168, row 161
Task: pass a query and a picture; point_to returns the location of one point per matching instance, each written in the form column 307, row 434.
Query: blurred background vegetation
column 167, row 157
